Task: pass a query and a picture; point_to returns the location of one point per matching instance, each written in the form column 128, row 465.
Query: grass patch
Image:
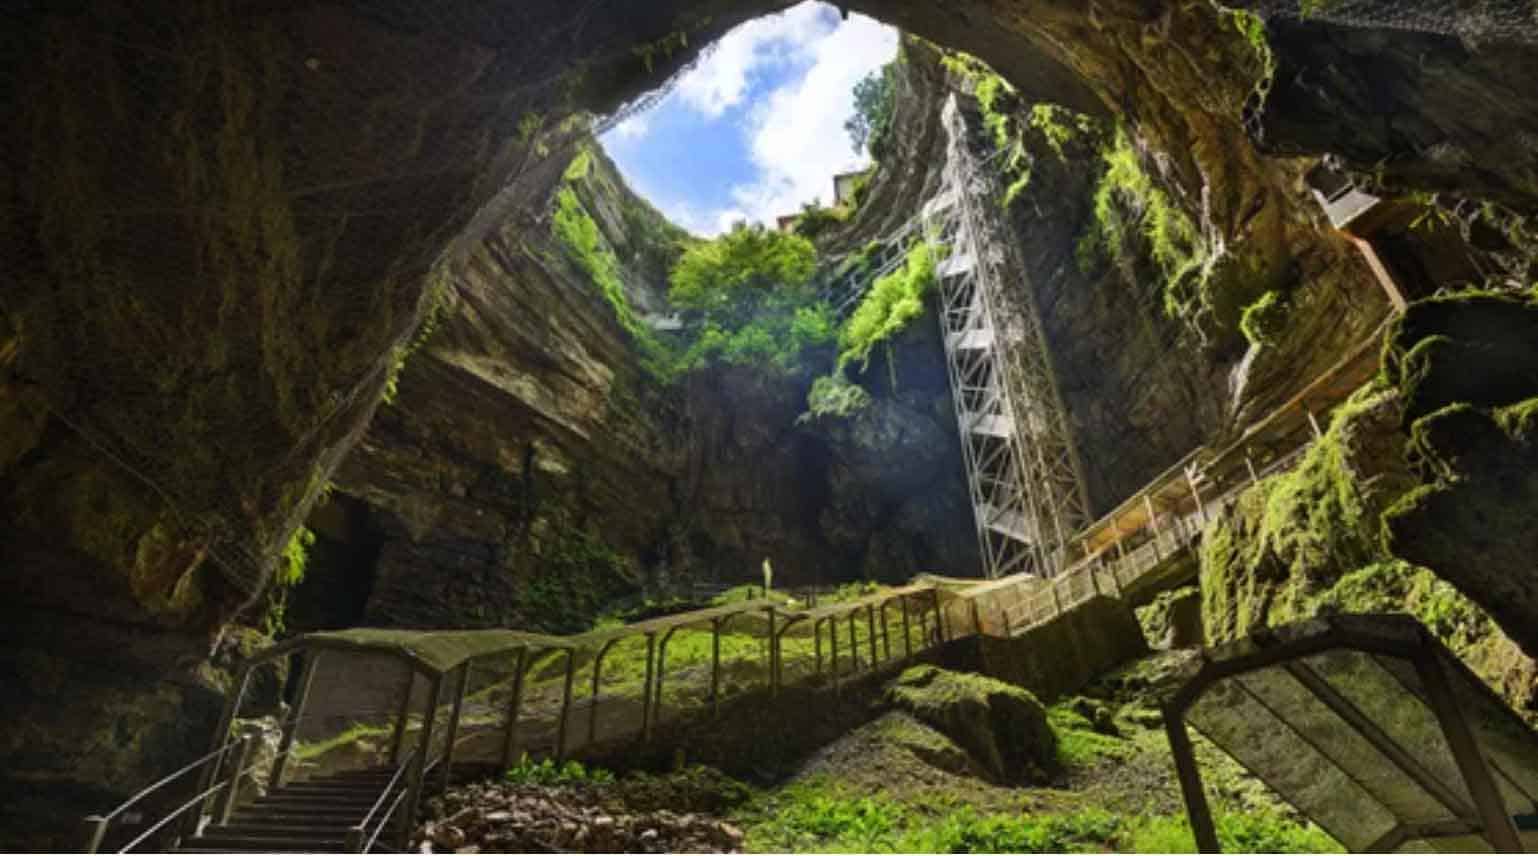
column 823, row 815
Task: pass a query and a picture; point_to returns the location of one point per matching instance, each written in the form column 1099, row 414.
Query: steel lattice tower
column 1028, row 494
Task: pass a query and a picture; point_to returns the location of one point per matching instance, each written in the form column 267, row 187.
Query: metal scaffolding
column 1028, row 493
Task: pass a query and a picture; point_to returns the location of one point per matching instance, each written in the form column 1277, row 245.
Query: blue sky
column 756, row 127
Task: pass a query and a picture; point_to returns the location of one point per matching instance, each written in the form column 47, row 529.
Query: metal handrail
column 159, row 825
column 368, row 845
column 355, row 836
column 389, row 786
column 196, row 764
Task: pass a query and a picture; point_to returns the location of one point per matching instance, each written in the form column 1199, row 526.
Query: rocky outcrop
column 1003, row 727
column 1468, row 370
column 1409, row 502
column 533, row 467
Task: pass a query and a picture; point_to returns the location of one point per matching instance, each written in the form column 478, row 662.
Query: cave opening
column 265, row 253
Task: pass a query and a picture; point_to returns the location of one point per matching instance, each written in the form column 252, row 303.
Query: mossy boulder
column 1467, row 367
column 1003, row 727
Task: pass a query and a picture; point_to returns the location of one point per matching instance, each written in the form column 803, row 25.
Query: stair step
column 272, row 843
column 1011, row 523
column 955, row 265
column 991, row 425
column 972, row 340
column 258, row 829
column 302, row 800
column 298, row 818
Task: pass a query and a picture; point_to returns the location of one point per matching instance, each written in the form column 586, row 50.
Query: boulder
column 1003, row 727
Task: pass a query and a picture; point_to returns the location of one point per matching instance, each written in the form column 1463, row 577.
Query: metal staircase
column 1023, row 474
column 1027, row 492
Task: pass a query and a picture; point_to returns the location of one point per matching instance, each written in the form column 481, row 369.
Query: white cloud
column 721, row 79
column 633, row 128
column 797, row 135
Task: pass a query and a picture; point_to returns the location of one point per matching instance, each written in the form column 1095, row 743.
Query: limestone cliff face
column 532, row 469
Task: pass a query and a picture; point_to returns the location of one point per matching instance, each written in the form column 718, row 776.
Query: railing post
column 354, row 843
column 715, row 667
column 1494, row 816
column 226, row 801
column 398, row 739
column 886, row 636
column 1201, row 511
column 1153, row 523
column 95, row 831
column 311, row 663
column 592, row 702
column 870, row 629
column 510, row 739
column 817, row 645
column 833, row 650
column 939, row 616
column 419, row 764
column 854, row 646
column 462, row 685
column 774, row 682
column 566, row 689
column 907, row 631
column 646, row 688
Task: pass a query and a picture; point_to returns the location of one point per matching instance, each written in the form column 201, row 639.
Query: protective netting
column 1474, row 21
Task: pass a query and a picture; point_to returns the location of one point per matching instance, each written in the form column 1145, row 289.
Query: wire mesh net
column 1473, row 21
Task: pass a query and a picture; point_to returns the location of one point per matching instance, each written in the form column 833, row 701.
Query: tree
column 874, row 97
column 751, row 292
column 733, row 274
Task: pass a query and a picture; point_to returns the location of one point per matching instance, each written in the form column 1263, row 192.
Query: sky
column 756, row 128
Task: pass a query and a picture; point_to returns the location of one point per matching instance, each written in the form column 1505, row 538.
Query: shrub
column 834, row 396
column 892, row 302
column 548, row 772
column 751, row 289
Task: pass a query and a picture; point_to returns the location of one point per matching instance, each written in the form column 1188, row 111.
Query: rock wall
column 533, row 469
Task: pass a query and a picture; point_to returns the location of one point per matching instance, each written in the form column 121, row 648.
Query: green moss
column 1265, row 320
column 816, row 219
column 1129, row 203
column 1290, row 535
column 1079, row 743
column 835, row 397
column 891, row 303
column 580, row 166
column 824, row 815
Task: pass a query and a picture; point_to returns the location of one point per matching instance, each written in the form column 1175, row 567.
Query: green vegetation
column 1079, row 742
column 816, row 219
column 751, row 290
column 875, row 99
column 892, row 302
column 550, row 773
column 823, row 815
column 289, row 574
column 1290, row 534
column 1129, row 204
column 351, row 736
column 834, row 396
column 1265, row 320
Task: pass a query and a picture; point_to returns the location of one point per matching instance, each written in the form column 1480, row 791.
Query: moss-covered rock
column 1002, row 726
column 1467, row 366
column 1173, row 619
column 1296, row 533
